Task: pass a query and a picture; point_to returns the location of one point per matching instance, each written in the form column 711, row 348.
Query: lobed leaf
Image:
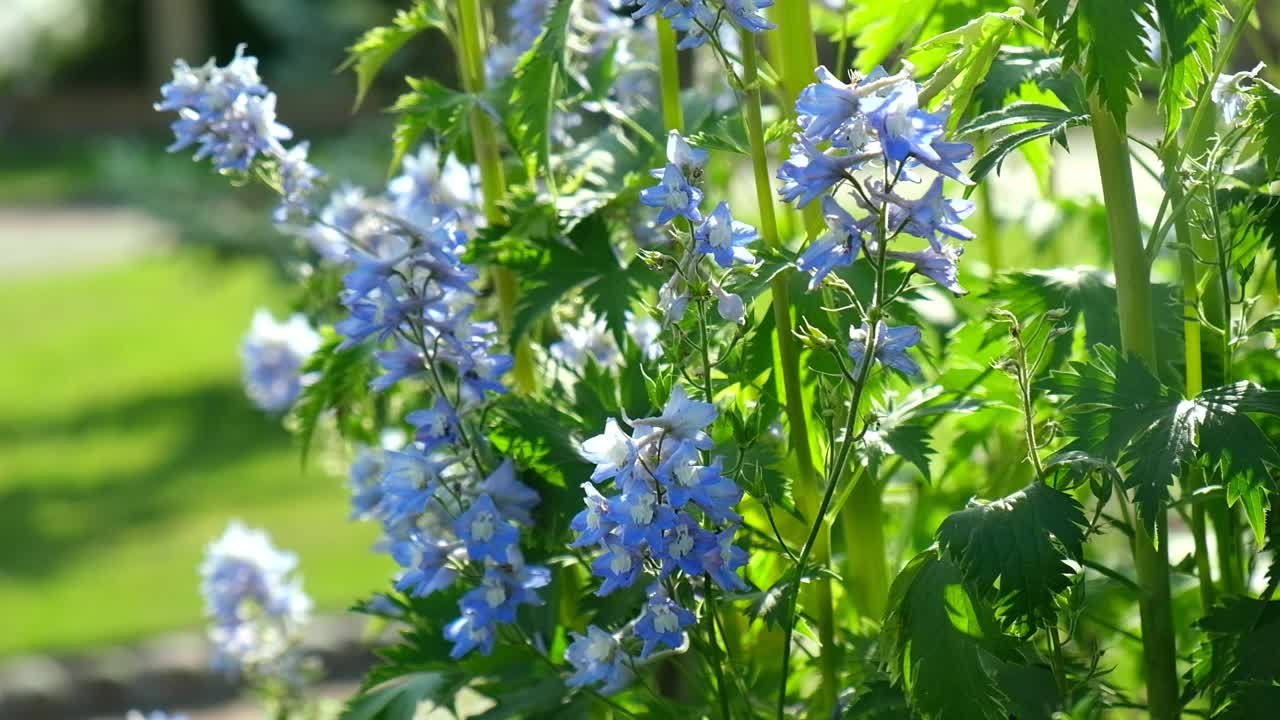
column 1016, row 551
column 379, row 44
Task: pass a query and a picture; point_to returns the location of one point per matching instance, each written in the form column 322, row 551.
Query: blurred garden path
column 39, row 241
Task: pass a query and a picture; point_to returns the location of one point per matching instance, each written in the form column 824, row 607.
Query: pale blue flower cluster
column 255, row 604
column 272, row 356
column 876, row 123
column 153, row 715
column 717, row 236
column 671, row 518
column 229, row 116
column 409, row 294
column 699, row 19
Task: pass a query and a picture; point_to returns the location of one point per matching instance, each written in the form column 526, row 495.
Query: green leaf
column 1264, row 116
column 1233, row 444
column 430, row 107
column 1082, row 294
column 378, row 44
column 551, row 266
column 724, row 132
column 342, row 385
column 398, row 699
column 976, row 45
column 1014, row 67
column 1116, row 409
column 536, row 83
column 1030, row 120
column 1237, row 665
column 1189, row 37
column 1107, row 38
column 938, row 641
column 1015, row 551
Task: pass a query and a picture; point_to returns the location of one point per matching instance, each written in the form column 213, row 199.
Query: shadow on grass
column 219, row 430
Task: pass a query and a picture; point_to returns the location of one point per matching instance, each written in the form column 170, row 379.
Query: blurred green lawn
column 126, row 445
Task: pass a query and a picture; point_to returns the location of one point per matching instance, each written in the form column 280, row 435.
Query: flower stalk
column 493, row 182
column 789, row 358
column 1137, row 335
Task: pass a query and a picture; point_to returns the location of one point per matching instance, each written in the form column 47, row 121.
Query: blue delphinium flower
column 273, row 354
column 662, row 622
column 674, row 196
column 690, row 160
column 644, row 331
column 746, row 14
column 593, row 523
column 825, row 106
column 892, row 344
column 486, row 533
column 810, row 172
column 940, row 266
column 254, row 602
column 683, row 418
column 297, row 182
column 723, row 559
column 724, row 238
column 618, row 565
column 931, row 214
column 429, row 565
column 597, row 658
column 444, row 514
column 837, row 247
column 612, row 451
column 728, row 305
column 684, row 544
column 514, row 499
column 469, row 632
column 501, row 592
column 656, row 524
column 587, row 340
column 902, row 127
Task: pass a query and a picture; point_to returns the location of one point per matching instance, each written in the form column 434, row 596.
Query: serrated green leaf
column 937, row 639
column 536, row 83
column 1015, row 551
column 399, row 699
column 1236, row 666
column 379, row 44
column 1188, row 39
column 1264, row 116
column 724, row 132
column 342, row 384
column 976, row 45
column 430, row 107
column 1107, row 37
column 1044, row 121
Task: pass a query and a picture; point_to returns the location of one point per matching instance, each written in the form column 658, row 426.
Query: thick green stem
column 789, row 359
column 1137, row 335
column 798, row 57
column 669, row 72
column 493, row 182
column 866, row 571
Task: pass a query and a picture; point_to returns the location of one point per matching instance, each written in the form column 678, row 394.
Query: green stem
column 789, row 359
column 866, row 571
column 798, row 58
column 990, row 224
column 669, row 72
column 1137, row 335
column 493, row 182
column 1216, row 306
column 717, row 662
